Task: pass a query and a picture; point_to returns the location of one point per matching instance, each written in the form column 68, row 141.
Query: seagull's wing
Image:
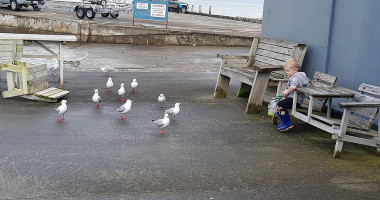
column 169, row 111
column 159, row 122
column 121, row 109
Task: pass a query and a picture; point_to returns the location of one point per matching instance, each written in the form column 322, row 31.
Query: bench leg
column 338, row 149
column 343, row 129
column 244, row 90
column 221, row 87
column 259, row 87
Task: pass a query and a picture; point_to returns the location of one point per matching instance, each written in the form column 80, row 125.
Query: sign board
column 152, row 10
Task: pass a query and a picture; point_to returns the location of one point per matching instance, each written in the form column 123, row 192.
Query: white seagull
column 121, row 92
column 173, row 111
column 134, row 85
column 61, row 110
column 109, row 85
column 96, row 99
column 162, row 123
column 161, row 99
column 107, row 70
column 124, row 109
column 54, row 68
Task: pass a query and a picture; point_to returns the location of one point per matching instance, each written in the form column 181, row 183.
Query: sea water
column 233, row 8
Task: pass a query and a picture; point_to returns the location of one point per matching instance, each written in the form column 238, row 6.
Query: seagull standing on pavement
column 121, row 92
column 162, row 123
column 134, row 85
column 173, row 111
column 109, row 85
column 161, row 99
column 107, row 70
column 124, row 109
column 96, row 99
column 61, row 110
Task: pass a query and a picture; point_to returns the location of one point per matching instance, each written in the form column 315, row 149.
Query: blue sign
column 154, row 10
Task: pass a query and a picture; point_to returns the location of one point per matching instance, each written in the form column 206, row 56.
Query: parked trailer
column 105, row 8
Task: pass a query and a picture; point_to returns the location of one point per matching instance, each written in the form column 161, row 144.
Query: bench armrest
column 232, row 56
column 360, row 104
column 268, row 68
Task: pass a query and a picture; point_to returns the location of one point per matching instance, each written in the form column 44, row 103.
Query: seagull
column 173, row 111
column 107, row 70
column 61, row 110
column 162, row 123
column 54, row 68
column 121, row 92
column 161, row 99
column 109, row 85
column 134, row 85
column 96, row 99
column 124, row 109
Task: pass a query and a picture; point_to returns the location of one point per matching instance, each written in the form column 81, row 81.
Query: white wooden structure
column 358, row 116
column 11, row 45
column 254, row 71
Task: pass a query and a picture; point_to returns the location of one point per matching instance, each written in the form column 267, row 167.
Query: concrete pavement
column 183, row 29
column 213, row 151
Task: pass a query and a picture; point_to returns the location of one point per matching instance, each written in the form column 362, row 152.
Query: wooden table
column 314, row 92
column 37, row 38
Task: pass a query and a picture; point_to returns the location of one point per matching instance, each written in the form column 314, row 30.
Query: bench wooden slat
column 278, row 49
column 271, row 54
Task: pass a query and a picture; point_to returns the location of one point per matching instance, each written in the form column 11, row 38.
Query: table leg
column 60, row 65
column 329, row 102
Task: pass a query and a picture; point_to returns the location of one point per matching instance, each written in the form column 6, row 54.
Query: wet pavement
column 213, row 151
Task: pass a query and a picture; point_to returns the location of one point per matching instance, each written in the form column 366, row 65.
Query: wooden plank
column 40, row 37
column 6, row 47
column 277, row 42
column 276, row 49
column 259, row 88
column 299, row 54
column 232, row 56
column 6, row 54
column 252, row 52
column 324, row 78
column 370, row 89
column 12, row 93
column 59, row 95
column 246, row 77
column 36, row 98
column 7, row 42
column 353, row 139
column 267, row 60
column 10, row 80
column 51, row 93
column 45, row 91
column 221, row 87
column 274, row 55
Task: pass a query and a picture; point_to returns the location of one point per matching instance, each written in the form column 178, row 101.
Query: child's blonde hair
column 292, row 63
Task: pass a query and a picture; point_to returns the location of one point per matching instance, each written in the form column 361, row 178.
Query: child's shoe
column 286, row 123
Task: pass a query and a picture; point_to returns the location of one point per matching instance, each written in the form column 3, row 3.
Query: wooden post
column 192, row 8
column 209, row 10
column 221, row 87
column 200, row 8
column 251, row 59
column 258, row 90
column 60, row 58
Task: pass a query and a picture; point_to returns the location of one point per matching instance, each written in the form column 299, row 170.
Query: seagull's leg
column 63, row 116
column 109, row 91
column 134, row 91
column 121, row 116
column 97, row 106
column 107, row 74
column 163, row 131
column 173, row 119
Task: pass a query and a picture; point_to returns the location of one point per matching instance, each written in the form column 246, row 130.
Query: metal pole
column 133, row 22
column 200, row 8
column 209, row 10
column 60, row 57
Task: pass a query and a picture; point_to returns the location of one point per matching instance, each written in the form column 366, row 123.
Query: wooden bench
column 254, row 71
column 319, row 80
column 355, row 126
